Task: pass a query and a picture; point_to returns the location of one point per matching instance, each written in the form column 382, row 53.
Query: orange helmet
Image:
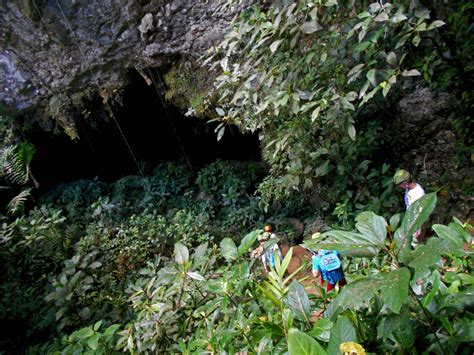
column 267, row 228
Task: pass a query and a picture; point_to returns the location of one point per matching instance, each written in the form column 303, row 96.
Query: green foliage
column 60, row 272
column 94, row 339
column 303, row 74
column 15, row 168
column 404, row 289
column 31, row 248
column 146, row 285
column 76, row 198
column 301, row 343
column 186, row 85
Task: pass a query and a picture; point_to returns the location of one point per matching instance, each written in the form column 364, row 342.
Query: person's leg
column 342, row 282
column 330, row 287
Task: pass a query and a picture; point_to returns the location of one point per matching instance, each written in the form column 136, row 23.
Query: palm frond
column 18, row 201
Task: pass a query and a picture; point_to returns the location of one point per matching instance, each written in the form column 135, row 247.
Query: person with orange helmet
column 268, row 257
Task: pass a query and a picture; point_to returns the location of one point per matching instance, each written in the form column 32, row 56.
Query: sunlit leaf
column 298, row 301
column 181, row 254
column 356, row 69
column 247, row 242
column 371, row 76
column 435, row 24
column 354, row 295
column 322, row 329
column 392, row 58
column 93, row 341
column 381, row 17
column 195, row 276
column 450, row 234
column 274, row 45
column 228, row 249
column 310, row 27
column 351, row 131
column 220, row 133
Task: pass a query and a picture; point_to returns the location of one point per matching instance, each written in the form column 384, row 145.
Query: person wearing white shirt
column 413, row 191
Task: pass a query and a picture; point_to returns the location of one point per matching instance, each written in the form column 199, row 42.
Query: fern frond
column 15, row 162
column 5, row 157
column 18, row 201
column 25, row 152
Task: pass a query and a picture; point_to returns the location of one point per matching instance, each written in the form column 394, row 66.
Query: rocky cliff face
column 52, row 47
column 422, row 133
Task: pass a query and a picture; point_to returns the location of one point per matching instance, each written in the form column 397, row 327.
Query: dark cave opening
column 154, row 133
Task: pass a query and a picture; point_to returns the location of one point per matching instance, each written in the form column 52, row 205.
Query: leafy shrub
column 76, row 198
column 171, row 178
column 226, row 181
column 434, row 314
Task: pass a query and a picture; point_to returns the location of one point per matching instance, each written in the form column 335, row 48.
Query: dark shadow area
column 154, row 133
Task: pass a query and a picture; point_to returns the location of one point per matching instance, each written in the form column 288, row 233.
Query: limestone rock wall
column 48, row 47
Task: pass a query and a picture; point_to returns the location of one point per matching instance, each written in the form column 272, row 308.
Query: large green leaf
column 358, row 244
column 199, row 258
column 394, row 290
column 354, row 295
column 458, row 301
column 369, row 224
column 426, row 256
column 247, row 242
column 435, row 281
column 359, row 250
column 300, row 343
column 93, row 341
column 414, row 218
column 399, row 328
column 322, row 329
column 445, row 232
column 297, row 300
column 343, row 331
column 83, row 333
column 181, row 253
column 228, row 249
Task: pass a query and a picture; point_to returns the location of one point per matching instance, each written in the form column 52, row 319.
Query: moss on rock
column 189, row 87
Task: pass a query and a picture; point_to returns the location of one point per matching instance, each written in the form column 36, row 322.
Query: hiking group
column 327, row 264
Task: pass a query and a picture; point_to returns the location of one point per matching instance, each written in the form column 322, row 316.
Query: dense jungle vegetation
column 160, row 263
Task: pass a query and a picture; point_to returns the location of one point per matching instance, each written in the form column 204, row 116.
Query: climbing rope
column 173, row 126
column 157, row 87
column 109, row 109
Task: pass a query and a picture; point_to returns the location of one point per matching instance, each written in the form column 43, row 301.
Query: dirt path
column 302, row 256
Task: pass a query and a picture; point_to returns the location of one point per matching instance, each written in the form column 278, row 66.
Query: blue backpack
column 330, row 261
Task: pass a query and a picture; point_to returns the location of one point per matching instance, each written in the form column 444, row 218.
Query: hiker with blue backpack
column 327, row 264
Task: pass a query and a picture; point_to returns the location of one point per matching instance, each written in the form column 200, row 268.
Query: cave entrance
column 155, row 133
